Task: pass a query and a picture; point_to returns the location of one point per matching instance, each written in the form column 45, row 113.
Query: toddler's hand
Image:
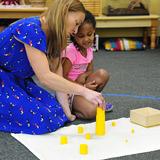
column 81, row 79
column 91, row 85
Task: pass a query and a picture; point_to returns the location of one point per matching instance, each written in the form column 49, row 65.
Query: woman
column 32, row 46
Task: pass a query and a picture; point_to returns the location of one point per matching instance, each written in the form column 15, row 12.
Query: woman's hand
column 95, row 97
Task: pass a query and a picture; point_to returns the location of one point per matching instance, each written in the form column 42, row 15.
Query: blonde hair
column 56, row 17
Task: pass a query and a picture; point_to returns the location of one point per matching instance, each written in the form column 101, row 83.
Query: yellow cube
column 146, row 117
column 83, row 149
column 132, row 130
column 88, row 136
column 114, row 124
column 63, row 140
column 80, row 129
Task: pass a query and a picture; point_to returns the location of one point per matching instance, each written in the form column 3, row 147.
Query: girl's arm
column 90, row 68
column 83, row 77
column 40, row 65
column 67, row 65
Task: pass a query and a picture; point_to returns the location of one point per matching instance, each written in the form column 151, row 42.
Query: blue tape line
column 131, row 96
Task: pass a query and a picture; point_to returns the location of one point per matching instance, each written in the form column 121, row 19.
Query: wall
column 48, row 2
column 154, row 7
column 121, row 3
column 151, row 5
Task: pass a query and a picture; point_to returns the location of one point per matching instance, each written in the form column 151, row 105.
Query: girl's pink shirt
column 79, row 62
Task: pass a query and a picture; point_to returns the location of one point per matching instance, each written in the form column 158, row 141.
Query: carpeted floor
column 134, row 83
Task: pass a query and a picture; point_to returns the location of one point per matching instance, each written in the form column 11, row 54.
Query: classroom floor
column 134, row 83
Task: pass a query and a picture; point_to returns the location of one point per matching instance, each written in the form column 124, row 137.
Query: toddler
column 78, row 59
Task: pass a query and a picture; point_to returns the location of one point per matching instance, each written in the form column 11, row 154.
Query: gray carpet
column 134, row 83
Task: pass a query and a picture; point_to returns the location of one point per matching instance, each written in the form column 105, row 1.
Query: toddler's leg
column 101, row 77
column 83, row 109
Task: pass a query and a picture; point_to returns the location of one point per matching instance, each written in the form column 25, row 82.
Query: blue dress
column 24, row 106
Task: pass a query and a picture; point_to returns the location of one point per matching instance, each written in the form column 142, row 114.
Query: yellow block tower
column 100, row 122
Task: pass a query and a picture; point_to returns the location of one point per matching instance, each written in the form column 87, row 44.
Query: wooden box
column 146, row 117
column 94, row 6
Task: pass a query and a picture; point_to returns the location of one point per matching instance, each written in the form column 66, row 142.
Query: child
column 78, row 58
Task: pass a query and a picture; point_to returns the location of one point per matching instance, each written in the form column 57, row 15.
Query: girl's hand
column 91, row 85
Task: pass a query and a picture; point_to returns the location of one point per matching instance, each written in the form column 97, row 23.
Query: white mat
column 119, row 141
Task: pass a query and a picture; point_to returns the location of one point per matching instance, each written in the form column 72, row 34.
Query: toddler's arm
column 83, row 77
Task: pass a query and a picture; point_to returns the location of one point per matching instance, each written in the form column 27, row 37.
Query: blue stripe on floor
column 131, row 96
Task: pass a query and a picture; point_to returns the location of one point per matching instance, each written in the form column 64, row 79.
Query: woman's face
column 74, row 20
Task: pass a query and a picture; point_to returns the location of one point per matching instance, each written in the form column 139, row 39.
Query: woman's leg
column 27, row 108
column 101, row 78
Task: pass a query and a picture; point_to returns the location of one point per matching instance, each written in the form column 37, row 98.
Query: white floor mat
column 118, row 141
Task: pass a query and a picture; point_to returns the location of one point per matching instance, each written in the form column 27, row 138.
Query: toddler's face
column 85, row 35
column 74, row 20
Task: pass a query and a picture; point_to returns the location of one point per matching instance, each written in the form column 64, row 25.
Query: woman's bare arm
column 62, row 97
column 40, row 65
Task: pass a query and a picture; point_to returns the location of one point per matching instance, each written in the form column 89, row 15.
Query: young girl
column 27, row 47
column 78, row 61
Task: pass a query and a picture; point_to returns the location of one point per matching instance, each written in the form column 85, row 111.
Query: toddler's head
column 86, row 33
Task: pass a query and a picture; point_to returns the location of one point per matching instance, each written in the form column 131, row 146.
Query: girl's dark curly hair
column 89, row 18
